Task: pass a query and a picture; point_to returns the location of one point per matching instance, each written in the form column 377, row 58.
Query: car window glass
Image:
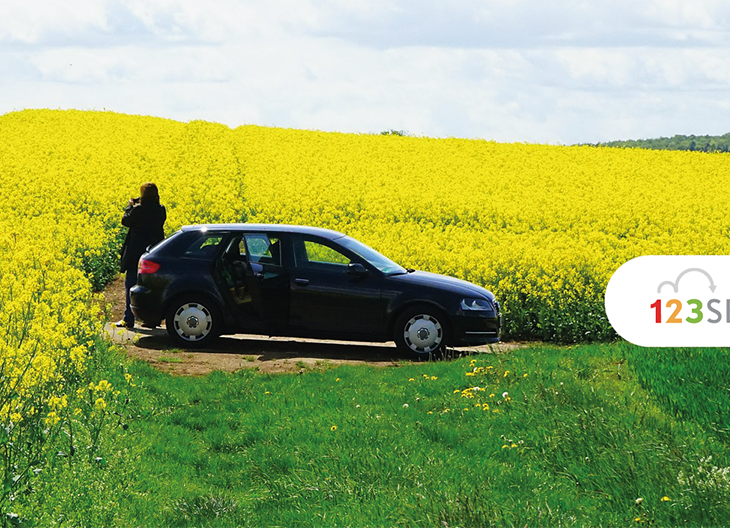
column 381, row 262
column 237, row 248
column 316, row 255
column 261, row 248
column 204, row 246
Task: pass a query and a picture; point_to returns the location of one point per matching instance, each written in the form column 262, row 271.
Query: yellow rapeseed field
column 543, row 227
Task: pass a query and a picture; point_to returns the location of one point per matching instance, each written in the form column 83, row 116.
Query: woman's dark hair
column 148, row 194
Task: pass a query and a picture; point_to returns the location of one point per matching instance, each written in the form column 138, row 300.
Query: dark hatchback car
column 296, row 281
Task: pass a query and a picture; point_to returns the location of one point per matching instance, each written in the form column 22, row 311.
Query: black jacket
column 145, row 223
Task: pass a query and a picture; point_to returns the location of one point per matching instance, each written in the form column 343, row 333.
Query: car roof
column 279, row 228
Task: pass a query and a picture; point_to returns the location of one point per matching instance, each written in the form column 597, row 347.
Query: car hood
column 443, row 282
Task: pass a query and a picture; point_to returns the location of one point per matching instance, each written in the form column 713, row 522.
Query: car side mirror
column 355, row 269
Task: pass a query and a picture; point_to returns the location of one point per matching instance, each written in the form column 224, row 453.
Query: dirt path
column 234, row 352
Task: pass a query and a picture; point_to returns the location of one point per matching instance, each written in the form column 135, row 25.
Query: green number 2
column 697, row 311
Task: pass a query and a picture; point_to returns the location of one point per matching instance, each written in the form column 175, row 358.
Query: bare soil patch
column 266, row 354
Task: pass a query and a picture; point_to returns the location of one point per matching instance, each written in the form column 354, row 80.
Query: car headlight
column 476, row 304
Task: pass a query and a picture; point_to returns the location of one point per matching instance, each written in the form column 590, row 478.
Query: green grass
column 170, row 359
column 582, row 433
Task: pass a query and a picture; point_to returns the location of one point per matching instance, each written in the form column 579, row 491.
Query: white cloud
column 511, row 70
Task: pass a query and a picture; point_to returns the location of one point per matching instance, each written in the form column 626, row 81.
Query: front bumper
column 475, row 328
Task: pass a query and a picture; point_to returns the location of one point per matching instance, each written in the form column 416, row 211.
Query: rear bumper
column 145, row 306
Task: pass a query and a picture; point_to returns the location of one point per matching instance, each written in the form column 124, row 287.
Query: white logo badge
column 671, row 300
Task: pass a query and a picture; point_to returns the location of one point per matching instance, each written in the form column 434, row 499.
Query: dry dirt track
column 234, row 352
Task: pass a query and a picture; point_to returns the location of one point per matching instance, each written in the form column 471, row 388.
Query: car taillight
column 147, row 266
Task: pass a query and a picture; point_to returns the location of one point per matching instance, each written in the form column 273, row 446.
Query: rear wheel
column 193, row 321
column 421, row 331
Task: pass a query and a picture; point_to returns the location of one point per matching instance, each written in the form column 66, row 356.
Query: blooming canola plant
column 543, row 227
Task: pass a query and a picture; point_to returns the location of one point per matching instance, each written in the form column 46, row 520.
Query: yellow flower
column 665, row 499
column 333, row 428
column 52, row 419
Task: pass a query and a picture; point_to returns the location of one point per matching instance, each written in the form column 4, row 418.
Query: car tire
column 193, row 321
column 422, row 331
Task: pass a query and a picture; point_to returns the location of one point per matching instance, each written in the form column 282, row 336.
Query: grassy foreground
column 544, row 436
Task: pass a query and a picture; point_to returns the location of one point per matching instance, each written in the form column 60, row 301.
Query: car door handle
column 301, row 282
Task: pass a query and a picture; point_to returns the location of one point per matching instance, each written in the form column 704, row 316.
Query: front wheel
column 193, row 321
column 421, row 331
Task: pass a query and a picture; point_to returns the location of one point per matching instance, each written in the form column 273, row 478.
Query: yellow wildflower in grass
column 333, row 428
column 103, row 386
column 665, row 499
column 52, row 419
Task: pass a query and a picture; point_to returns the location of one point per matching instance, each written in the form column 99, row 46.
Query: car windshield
column 384, row 264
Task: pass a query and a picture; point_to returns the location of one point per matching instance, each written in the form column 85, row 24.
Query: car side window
column 313, row 255
column 204, row 246
column 262, row 249
column 237, row 249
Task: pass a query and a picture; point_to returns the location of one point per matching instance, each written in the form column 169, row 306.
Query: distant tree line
column 678, row 142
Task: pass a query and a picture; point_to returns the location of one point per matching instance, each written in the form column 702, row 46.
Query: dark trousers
column 129, row 281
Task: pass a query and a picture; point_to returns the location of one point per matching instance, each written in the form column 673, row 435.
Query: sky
column 533, row 71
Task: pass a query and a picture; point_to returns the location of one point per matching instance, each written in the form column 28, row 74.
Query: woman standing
column 145, row 218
